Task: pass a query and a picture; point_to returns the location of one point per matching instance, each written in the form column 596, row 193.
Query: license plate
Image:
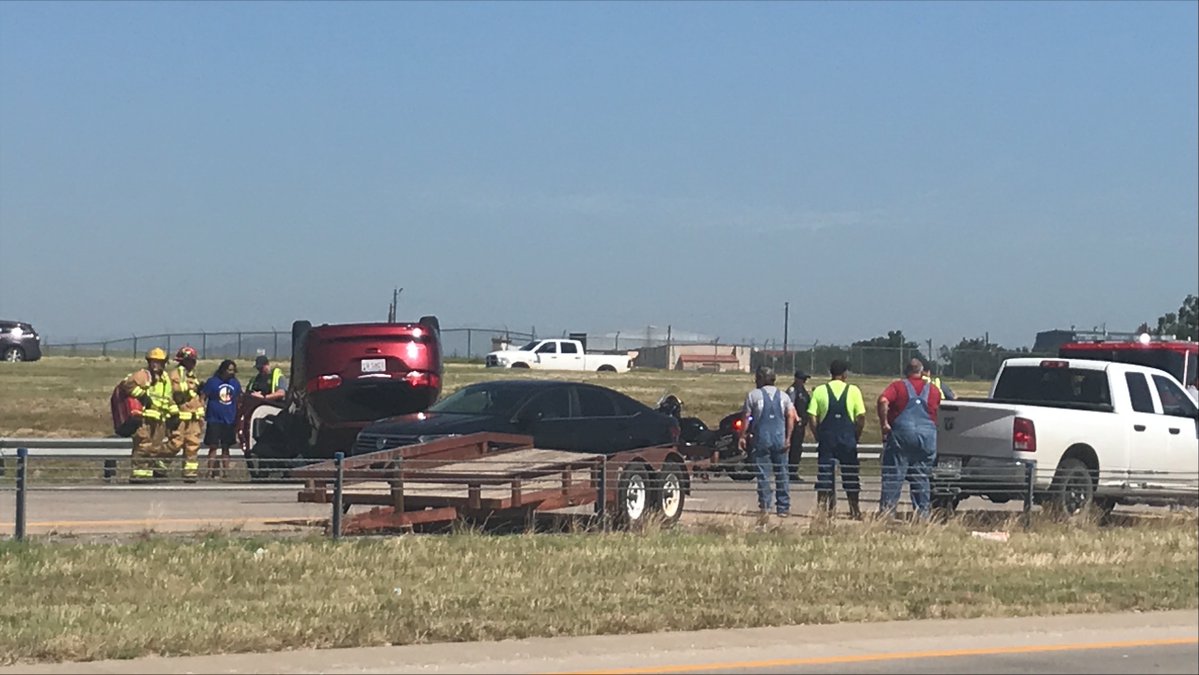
column 950, row 463
column 374, row 365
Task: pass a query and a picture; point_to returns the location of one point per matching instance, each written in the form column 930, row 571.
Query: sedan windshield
column 489, row 398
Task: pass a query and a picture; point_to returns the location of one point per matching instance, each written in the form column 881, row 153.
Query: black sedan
column 558, row 415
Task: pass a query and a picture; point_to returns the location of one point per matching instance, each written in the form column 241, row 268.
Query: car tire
column 670, row 495
column 14, row 354
column 524, row 366
column 1073, row 489
column 633, row 498
column 946, row 505
column 605, row 369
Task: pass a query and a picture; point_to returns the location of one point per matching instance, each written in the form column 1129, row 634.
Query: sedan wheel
column 14, row 354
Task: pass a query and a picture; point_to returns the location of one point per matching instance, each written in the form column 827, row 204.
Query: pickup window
column 1063, row 386
column 548, row 348
column 570, row 348
column 1175, row 401
column 1138, row 391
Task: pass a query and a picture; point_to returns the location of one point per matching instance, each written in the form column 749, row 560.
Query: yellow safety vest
column 162, row 401
column 276, row 375
column 186, row 395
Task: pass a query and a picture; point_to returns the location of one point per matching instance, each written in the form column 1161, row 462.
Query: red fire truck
column 1180, row 358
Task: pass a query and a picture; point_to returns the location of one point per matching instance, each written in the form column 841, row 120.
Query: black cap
column 801, row 375
column 261, row 361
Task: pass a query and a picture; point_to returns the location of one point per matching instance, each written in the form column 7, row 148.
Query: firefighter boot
column 855, row 509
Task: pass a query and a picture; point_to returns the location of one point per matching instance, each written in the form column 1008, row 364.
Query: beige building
column 706, row 357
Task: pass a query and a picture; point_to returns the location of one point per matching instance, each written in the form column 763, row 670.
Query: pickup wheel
column 670, row 496
column 1073, row 488
column 521, row 365
column 606, row 369
column 633, row 496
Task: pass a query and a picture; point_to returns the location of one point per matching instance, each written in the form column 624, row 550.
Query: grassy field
column 219, row 594
column 68, row 396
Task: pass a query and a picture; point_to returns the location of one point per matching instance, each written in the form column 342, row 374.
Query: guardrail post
column 338, row 460
column 22, row 461
column 110, row 470
column 1030, row 485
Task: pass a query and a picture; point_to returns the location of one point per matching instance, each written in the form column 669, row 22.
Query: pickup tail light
column 1024, row 435
column 418, row 378
column 324, row 382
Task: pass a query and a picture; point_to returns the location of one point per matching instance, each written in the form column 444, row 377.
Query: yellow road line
column 891, row 656
column 159, row 522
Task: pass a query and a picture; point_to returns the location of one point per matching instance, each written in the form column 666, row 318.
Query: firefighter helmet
column 187, row 353
column 156, row 354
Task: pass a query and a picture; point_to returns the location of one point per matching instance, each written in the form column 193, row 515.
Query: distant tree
column 974, row 357
column 1183, row 324
column 884, row 355
column 1144, row 328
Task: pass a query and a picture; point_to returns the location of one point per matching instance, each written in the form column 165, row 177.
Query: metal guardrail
column 83, row 448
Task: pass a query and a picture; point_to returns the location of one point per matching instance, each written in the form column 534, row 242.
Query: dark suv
column 19, row 342
column 342, row 378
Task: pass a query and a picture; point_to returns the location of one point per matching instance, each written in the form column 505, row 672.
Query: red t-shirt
column 897, row 396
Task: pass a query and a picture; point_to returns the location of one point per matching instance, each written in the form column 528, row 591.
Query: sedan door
column 597, row 425
column 546, row 417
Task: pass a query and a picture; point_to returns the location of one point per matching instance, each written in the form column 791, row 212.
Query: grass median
column 222, row 594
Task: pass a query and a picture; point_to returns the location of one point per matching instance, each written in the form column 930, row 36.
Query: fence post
column 1030, row 485
column 104, row 348
column 135, row 346
column 168, row 344
column 22, row 461
column 203, row 345
column 601, row 499
column 338, row 459
column 275, row 354
column 469, row 353
column 239, row 344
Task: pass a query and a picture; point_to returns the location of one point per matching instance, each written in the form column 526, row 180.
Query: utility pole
column 395, row 301
column 786, row 326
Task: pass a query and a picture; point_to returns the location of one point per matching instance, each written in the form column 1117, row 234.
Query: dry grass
column 162, row 596
column 68, row 396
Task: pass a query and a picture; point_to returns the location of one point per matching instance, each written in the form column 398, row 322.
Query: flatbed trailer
column 502, row 476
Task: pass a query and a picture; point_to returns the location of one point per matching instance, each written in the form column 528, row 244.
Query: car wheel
column 633, row 496
column 520, row 365
column 670, row 497
column 14, row 354
column 605, row 369
column 1073, row 488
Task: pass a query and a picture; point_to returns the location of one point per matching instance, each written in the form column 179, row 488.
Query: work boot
column 855, row 510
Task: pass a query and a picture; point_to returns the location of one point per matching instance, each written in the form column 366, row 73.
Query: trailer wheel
column 633, row 495
column 670, row 497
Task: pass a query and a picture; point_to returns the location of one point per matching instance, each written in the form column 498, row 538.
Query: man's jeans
column 767, row 461
column 912, row 461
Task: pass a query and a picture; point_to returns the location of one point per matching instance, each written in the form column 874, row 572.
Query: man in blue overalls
column 907, row 413
column 837, row 414
column 770, row 417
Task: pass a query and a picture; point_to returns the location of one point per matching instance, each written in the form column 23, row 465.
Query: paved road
column 1157, row 642
column 179, row 507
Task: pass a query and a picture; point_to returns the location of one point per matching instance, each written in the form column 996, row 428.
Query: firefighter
column 152, row 388
column 186, row 426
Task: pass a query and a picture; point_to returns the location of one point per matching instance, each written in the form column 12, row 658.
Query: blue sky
column 948, row 169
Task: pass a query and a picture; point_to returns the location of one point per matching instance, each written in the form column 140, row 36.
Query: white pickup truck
column 1101, row 433
column 554, row 354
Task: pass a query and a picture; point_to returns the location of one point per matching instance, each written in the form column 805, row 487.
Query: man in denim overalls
column 838, row 415
column 771, row 420
column 907, row 413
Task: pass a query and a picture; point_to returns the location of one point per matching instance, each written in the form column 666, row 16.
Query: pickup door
column 571, row 357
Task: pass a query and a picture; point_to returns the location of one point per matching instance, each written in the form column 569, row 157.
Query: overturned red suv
column 343, row 377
